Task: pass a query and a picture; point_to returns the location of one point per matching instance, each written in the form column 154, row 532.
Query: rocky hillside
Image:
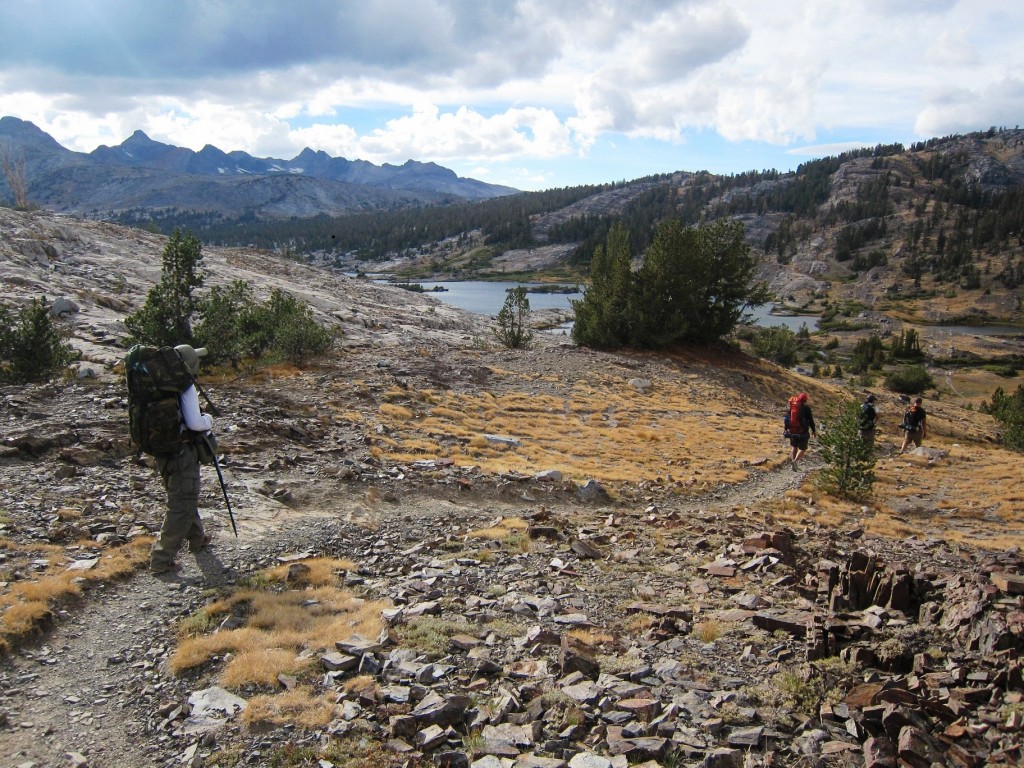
column 930, row 233
column 454, row 554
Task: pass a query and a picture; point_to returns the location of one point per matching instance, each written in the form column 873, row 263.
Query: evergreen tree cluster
column 694, row 285
column 868, row 354
column 1008, row 410
column 231, row 324
column 376, row 235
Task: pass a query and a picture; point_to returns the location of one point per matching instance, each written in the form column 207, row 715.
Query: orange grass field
column 972, row 497
column 606, row 430
column 690, row 433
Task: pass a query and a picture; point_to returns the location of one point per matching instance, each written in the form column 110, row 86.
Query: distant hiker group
column 798, row 425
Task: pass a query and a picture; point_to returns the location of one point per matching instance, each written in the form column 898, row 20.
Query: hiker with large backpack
column 166, row 421
column 799, row 426
column 915, row 425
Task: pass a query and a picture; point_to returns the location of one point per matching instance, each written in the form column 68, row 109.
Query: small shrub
column 431, row 634
column 909, row 380
column 778, row 344
column 519, row 542
column 804, row 689
column 31, row 347
column 298, row 336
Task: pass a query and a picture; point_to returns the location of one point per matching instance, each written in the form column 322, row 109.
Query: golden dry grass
column 317, row 571
column 300, row 706
column 26, row 605
column 973, row 496
column 22, row 618
column 280, row 630
column 594, row 637
column 690, row 431
column 262, row 666
column 708, row 631
column 398, row 412
column 510, row 531
column 500, row 529
column 360, row 684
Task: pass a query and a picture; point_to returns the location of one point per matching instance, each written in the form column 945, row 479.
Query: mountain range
column 141, row 173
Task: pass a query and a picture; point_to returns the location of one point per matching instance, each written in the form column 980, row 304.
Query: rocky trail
column 91, row 691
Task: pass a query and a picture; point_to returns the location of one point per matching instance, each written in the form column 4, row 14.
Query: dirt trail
column 94, row 685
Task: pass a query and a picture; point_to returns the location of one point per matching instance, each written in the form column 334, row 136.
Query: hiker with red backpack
column 799, row 423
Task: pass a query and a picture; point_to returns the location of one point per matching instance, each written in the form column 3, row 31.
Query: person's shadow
column 213, row 569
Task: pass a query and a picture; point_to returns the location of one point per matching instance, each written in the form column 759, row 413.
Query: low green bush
column 909, row 380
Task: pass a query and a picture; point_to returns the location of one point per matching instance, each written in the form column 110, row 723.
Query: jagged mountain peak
column 164, row 177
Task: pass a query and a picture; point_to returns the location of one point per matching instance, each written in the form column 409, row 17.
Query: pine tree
column 849, row 459
column 603, row 314
column 512, row 330
column 166, row 316
column 32, row 347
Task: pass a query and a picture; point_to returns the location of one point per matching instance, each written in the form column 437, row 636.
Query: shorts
column 915, row 436
column 800, row 442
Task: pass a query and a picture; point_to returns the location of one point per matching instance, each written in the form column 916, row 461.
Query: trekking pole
column 224, row 488
column 212, row 448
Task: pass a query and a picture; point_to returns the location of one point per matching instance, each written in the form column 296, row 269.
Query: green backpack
column 155, row 377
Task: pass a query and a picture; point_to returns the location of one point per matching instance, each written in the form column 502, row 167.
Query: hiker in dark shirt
column 915, row 425
column 868, row 420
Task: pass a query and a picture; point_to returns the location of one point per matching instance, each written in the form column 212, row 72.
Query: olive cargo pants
column 180, row 473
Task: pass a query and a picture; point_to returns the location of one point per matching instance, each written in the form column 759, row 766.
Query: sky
column 532, row 94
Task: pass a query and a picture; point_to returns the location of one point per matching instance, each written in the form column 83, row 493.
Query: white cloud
column 952, row 48
column 466, row 134
column 492, row 81
column 953, row 110
column 338, row 140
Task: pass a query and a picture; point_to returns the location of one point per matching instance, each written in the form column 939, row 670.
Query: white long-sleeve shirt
column 194, row 418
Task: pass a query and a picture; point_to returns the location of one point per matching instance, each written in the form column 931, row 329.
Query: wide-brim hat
column 190, row 356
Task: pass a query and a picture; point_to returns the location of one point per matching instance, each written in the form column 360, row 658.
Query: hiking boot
column 170, row 567
column 201, row 545
column 793, row 466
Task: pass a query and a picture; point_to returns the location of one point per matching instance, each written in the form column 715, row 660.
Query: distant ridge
column 141, row 174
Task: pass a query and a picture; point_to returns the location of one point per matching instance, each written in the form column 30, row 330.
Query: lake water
column 487, row 298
